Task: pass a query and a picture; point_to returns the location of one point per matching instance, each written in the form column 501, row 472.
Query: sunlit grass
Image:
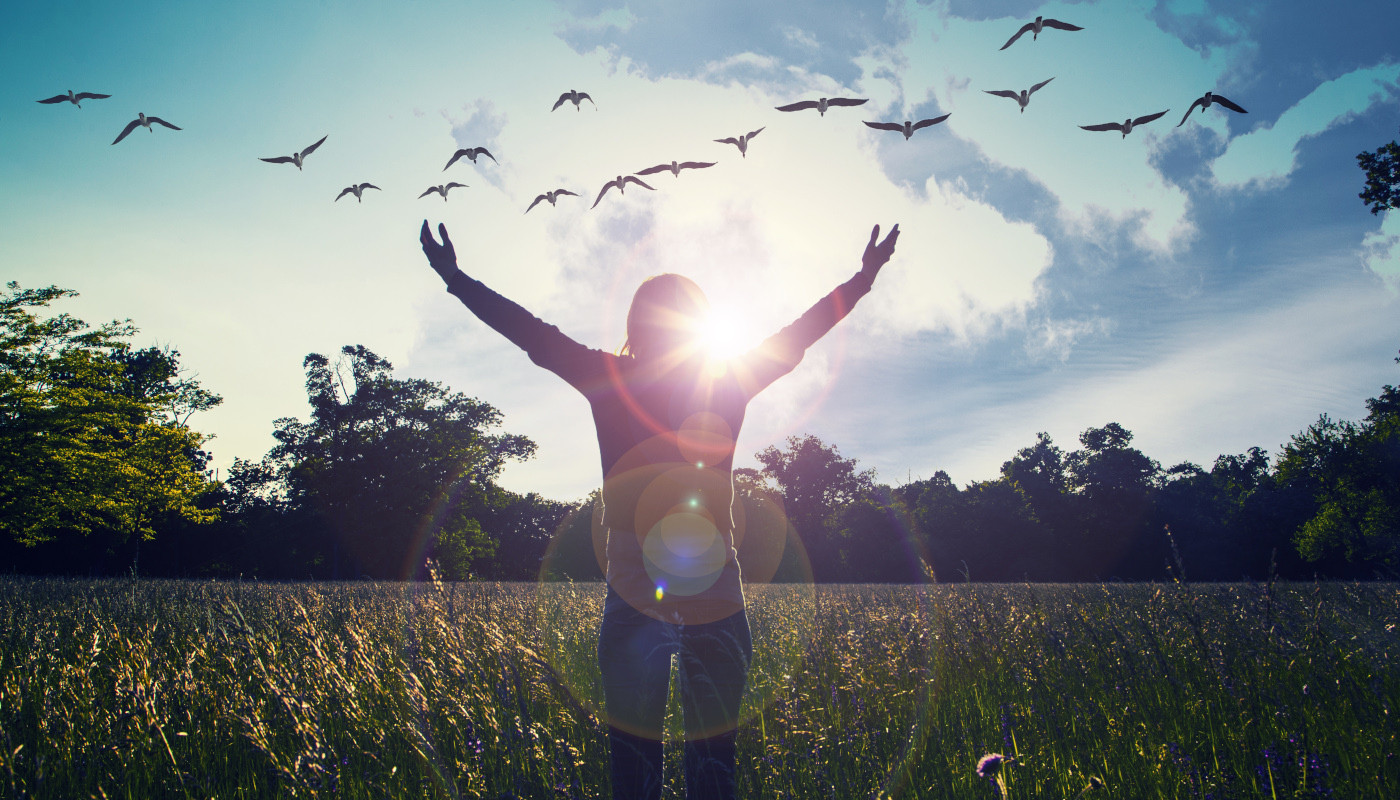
column 123, row 688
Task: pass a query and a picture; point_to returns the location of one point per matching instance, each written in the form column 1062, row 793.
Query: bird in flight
column 143, row 121
column 296, row 158
column 1040, row 24
column 1126, row 126
column 822, row 104
column 621, row 183
column 551, row 197
column 471, row 153
column 442, row 190
column 741, row 142
column 574, row 96
column 1204, row 101
column 1022, row 97
column 75, row 99
column 908, row 127
column 675, row 167
column 355, row 189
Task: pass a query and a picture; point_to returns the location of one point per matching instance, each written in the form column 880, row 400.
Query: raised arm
column 542, row 342
column 782, row 351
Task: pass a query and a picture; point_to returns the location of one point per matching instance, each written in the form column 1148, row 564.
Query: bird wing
column 638, row 181
column 1028, row 26
column 365, row 186
column 695, row 164
column 277, row 160
column 130, row 126
column 730, row 140
column 847, row 101
column 924, row 123
column 454, row 186
column 885, row 126
column 584, row 96
column 1064, row 26
column 58, row 98
column 1004, row 93
column 1144, row 120
column 430, row 190
column 1038, row 87
column 799, row 105
column 535, row 202
column 345, row 191
column 481, row 151
column 308, row 151
column 606, row 187
column 560, row 101
column 755, row 133
column 1199, row 102
column 162, row 122
column 558, row 192
column 89, row 96
column 1232, row 106
column 654, row 170
column 1107, row 126
column 454, row 158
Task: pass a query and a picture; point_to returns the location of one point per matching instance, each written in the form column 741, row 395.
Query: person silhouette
column 667, row 418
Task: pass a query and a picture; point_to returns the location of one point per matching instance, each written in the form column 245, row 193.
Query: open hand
column 442, row 257
column 876, row 254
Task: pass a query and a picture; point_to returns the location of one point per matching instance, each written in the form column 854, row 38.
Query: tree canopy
column 93, row 434
column 1382, row 169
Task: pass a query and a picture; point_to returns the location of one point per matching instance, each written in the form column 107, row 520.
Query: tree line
column 103, row 474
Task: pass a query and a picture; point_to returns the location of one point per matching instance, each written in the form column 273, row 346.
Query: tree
column 93, row 435
column 1112, row 481
column 815, row 480
column 1382, row 170
column 393, row 470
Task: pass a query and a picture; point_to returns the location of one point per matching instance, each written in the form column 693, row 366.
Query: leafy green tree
column 93, row 435
column 1382, row 170
column 1113, row 483
column 394, row 470
column 1351, row 471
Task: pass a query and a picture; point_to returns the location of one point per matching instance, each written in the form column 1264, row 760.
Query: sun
column 724, row 334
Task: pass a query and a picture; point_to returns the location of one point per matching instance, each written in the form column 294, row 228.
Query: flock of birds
column 821, row 105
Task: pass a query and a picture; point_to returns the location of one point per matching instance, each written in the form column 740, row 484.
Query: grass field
column 151, row 689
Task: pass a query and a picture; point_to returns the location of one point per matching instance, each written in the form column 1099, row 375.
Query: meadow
column 152, row 689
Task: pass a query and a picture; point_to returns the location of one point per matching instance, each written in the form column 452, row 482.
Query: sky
column 1210, row 286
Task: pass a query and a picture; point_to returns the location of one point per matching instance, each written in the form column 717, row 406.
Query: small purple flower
column 990, row 764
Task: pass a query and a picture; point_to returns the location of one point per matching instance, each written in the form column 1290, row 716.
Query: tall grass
column 150, row 689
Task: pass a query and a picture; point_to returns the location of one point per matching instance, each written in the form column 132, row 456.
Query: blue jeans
column 634, row 653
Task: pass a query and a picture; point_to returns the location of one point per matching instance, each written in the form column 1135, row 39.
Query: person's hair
column 665, row 310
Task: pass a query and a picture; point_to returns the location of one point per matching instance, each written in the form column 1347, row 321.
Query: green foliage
column 93, row 435
column 1382, row 170
column 393, row 470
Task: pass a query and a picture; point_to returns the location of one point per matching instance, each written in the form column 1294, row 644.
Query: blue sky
column 1211, row 287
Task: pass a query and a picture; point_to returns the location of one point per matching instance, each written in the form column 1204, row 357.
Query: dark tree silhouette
column 1382, row 169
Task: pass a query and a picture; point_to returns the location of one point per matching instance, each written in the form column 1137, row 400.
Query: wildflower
column 989, row 766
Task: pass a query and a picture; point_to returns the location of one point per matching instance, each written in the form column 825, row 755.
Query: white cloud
column 1267, row 156
column 1380, row 250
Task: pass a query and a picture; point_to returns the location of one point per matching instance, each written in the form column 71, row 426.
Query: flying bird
column 1204, row 101
column 471, row 153
column 551, row 197
column 442, row 190
column 355, row 189
column 296, row 158
column 143, row 121
column 1040, row 24
column 741, row 142
column 75, row 99
column 574, row 96
column 621, row 183
column 675, row 167
column 1022, row 97
column 908, row 127
column 822, row 105
column 1126, row 126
